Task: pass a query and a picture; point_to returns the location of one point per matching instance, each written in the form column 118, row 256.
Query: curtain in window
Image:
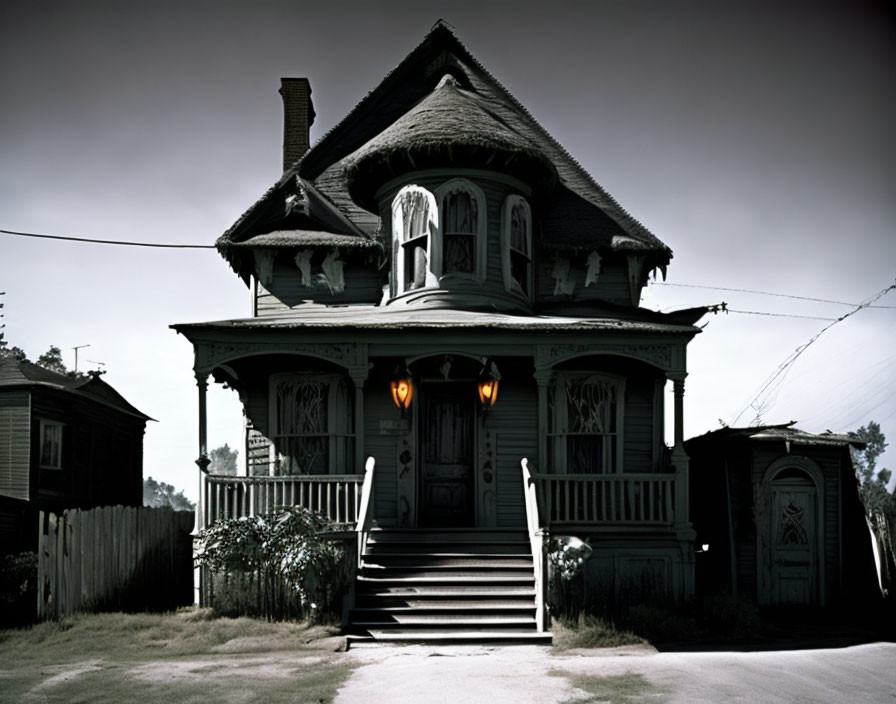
column 459, row 228
column 302, row 442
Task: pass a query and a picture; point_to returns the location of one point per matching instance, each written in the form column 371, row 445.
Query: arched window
column 516, row 245
column 463, row 232
column 414, row 225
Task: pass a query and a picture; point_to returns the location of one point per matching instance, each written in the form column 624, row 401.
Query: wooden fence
column 114, row 558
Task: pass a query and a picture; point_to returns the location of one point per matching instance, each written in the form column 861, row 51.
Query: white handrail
column 537, row 537
column 365, row 515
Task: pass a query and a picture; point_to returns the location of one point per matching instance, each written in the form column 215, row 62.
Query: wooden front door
column 794, row 563
column 446, row 439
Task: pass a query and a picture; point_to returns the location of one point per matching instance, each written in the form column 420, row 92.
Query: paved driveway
column 519, row 674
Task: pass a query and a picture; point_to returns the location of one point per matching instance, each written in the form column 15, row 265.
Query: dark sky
column 756, row 139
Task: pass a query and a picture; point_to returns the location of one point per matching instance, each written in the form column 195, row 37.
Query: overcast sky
column 757, row 140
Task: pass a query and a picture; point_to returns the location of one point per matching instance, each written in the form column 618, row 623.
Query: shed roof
column 785, row 432
column 15, row 374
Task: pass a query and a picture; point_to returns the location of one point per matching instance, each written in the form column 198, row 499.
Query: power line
column 770, row 387
column 118, row 242
column 763, row 293
column 777, row 315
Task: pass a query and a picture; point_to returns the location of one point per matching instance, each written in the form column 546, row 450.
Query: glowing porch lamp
column 402, row 387
column 487, row 384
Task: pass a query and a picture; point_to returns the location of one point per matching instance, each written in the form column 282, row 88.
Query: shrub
column 274, row 565
column 18, row 588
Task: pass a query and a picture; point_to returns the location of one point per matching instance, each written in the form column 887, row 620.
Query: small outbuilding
column 65, row 442
column 779, row 518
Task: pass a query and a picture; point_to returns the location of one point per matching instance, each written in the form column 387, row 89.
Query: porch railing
column 537, row 537
column 643, row 499
column 336, row 495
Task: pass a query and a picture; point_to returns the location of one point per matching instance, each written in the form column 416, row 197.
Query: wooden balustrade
column 336, row 495
column 644, row 499
column 537, row 543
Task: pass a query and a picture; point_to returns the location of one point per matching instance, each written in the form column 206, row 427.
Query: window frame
column 44, row 424
column 558, row 422
column 480, row 244
column 400, row 241
column 339, row 422
column 510, row 282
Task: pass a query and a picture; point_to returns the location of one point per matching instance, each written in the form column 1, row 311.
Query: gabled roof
column 591, row 218
column 15, row 373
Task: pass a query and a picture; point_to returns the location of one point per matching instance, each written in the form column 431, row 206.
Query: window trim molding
column 432, row 239
column 45, row 423
column 480, row 247
column 510, row 283
column 554, row 424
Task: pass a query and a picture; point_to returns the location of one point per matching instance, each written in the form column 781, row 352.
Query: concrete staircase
column 446, row 585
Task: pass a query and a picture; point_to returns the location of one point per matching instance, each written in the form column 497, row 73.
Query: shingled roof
column 16, row 373
column 579, row 215
column 450, row 127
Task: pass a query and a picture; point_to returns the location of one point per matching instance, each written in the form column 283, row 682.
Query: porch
column 567, row 501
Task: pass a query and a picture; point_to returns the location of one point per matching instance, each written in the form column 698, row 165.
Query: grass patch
column 612, row 689
column 590, row 632
column 187, row 656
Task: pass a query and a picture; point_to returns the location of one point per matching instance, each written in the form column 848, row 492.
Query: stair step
column 453, row 563
column 394, row 636
column 385, row 620
column 448, row 548
column 449, row 578
column 449, row 591
column 447, row 536
column 422, row 606
column 452, row 555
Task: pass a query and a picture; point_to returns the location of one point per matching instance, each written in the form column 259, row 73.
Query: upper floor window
column 50, row 444
column 516, row 245
column 585, row 419
column 463, row 232
column 414, row 226
column 312, row 422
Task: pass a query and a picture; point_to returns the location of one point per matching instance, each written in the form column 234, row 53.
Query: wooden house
column 442, row 293
column 65, row 442
column 779, row 519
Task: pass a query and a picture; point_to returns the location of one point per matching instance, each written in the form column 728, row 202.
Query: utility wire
column 770, row 387
column 762, row 293
column 119, row 242
column 777, row 315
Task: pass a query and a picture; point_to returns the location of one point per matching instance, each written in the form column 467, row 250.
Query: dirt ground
column 520, row 674
column 190, row 657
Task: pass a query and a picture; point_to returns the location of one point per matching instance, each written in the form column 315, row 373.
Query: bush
column 18, row 588
column 278, row 565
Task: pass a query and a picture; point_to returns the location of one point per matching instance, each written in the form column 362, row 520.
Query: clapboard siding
column 611, row 284
column 383, row 448
column 638, row 425
column 514, row 422
column 15, row 443
column 363, row 284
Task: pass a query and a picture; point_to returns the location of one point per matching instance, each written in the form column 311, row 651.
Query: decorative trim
column 211, row 355
column 661, row 356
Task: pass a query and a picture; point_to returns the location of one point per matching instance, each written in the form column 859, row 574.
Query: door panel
column 446, row 440
column 794, row 559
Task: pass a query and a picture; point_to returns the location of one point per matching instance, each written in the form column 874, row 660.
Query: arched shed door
column 790, row 538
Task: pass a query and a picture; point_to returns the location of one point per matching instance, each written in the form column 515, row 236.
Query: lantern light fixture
column 487, row 384
column 402, row 387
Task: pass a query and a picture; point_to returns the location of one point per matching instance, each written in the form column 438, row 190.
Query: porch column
column 202, row 462
column 543, row 380
column 359, row 378
column 679, row 458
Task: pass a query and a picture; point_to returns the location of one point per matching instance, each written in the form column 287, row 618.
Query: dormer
column 453, row 185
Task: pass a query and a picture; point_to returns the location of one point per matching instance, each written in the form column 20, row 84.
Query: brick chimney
column 298, row 116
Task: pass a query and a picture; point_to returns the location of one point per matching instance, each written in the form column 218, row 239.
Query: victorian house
column 447, row 354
